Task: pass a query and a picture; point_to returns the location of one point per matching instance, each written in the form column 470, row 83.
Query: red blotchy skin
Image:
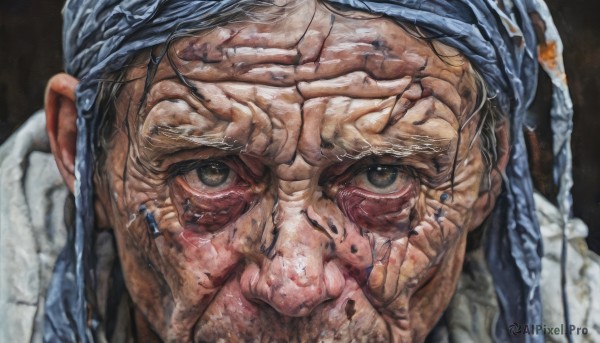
column 208, row 212
column 281, row 254
column 385, row 213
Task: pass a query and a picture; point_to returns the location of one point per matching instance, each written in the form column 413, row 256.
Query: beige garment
column 32, row 231
column 33, row 199
column 473, row 312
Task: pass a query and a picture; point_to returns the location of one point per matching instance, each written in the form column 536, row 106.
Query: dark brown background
column 30, row 52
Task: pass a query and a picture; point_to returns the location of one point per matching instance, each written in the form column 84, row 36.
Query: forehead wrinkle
column 311, row 78
column 170, row 89
column 394, row 146
column 360, row 53
column 351, row 140
column 355, row 84
column 445, row 92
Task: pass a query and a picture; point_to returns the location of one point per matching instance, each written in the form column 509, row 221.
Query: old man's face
column 311, row 179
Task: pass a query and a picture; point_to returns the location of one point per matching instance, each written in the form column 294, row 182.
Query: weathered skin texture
column 262, row 175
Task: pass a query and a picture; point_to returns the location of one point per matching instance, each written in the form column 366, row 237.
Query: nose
column 297, row 279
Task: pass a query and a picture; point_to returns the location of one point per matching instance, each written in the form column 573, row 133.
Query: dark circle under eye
column 213, row 174
column 382, row 176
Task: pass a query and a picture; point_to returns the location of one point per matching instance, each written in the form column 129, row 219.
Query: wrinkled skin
column 301, row 182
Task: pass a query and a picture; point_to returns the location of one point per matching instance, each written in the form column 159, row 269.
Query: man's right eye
column 211, row 176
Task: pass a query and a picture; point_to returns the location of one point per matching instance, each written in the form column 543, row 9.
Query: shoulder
column 32, row 232
column 473, row 312
column 582, row 274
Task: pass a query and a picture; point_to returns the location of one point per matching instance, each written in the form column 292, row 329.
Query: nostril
column 289, row 293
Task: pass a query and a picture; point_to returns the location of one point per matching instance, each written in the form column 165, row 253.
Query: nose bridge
column 297, row 238
column 295, row 277
column 293, row 281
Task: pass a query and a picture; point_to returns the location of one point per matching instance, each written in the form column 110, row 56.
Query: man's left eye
column 381, row 179
column 382, row 176
column 211, row 176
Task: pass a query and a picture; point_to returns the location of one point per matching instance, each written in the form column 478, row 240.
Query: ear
column 492, row 185
column 61, row 124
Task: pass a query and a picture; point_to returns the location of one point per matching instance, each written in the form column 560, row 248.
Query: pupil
column 382, row 176
column 214, row 174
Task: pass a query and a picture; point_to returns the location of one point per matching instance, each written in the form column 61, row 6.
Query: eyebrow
column 408, row 147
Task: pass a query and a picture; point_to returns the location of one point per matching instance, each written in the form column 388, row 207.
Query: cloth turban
column 101, row 36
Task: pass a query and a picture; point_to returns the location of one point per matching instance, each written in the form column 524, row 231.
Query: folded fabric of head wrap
column 101, row 36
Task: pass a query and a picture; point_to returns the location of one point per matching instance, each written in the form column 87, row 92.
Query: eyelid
column 402, row 177
column 193, row 179
column 343, row 175
column 184, row 167
column 344, row 171
column 249, row 171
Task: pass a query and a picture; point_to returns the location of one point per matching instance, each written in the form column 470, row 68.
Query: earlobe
column 61, row 124
column 492, row 186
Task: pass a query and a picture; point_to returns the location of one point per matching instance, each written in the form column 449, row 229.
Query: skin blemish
column 427, row 92
column 150, row 221
column 444, row 197
column 326, row 144
column 420, row 122
column 368, row 271
column 186, row 205
column 268, row 251
column 332, row 226
column 349, row 308
column 421, row 68
column 316, row 224
column 353, row 249
column 436, row 165
column 291, row 161
column 467, row 93
column 438, row 215
column 377, row 44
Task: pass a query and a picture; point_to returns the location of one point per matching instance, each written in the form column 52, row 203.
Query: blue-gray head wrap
column 497, row 36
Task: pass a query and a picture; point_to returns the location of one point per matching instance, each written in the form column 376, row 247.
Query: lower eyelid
column 387, row 212
column 203, row 212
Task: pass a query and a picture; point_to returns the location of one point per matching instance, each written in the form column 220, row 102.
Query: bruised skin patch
column 387, row 214
column 278, row 253
column 201, row 212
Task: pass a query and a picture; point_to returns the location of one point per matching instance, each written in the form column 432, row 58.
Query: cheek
column 429, row 302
